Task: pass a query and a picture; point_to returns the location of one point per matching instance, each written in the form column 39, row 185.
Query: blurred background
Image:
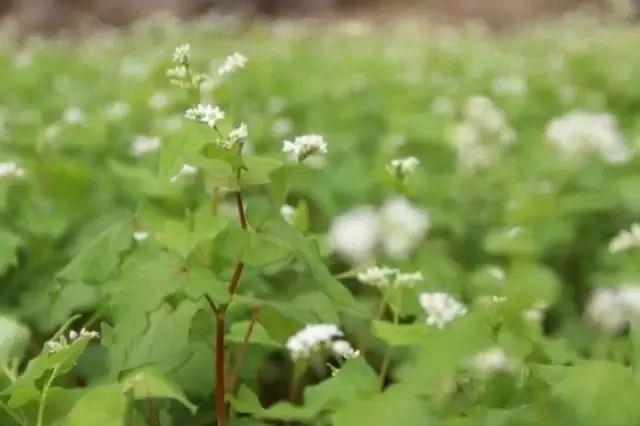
column 52, row 15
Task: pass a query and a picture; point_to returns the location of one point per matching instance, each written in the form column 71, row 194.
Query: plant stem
column 243, row 350
column 43, row 397
column 222, row 409
column 11, row 413
column 384, row 369
column 152, row 413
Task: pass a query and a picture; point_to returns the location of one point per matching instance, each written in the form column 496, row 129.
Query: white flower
column 205, row 113
column 354, row 234
column 232, row 63
column 186, row 170
column 510, row 85
column 140, row 235
column 304, row 146
column 281, row 127
column 441, row 308
column 380, row 277
column 482, row 135
column 312, row 338
column 159, row 101
column 497, row 273
column 236, row 135
column 117, row 110
column 73, row 115
column 408, row 279
column 401, row 167
column 343, row 349
column 579, row 133
column 626, row 240
column 402, row 227
column 287, row 212
column 443, row 106
column 492, row 360
column 144, row 145
column 62, row 342
column 613, row 308
column 181, row 54
column 10, row 170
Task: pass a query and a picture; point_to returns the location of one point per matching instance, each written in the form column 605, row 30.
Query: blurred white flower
column 613, row 308
column 142, row 145
column 117, row 110
column 159, row 101
column 578, row 133
column 305, row 146
column 401, row 167
column 626, row 240
column 11, row 169
column 482, row 135
column 493, row 360
column 140, row 235
column 312, row 338
column 343, row 349
column 236, row 135
column 62, row 342
column 441, row 308
column 232, row 63
column 73, row 115
column 402, row 227
column 376, row 276
column 205, row 113
column 181, row 54
column 185, row 171
column 281, row 127
column 408, row 279
column 354, row 234
column 287, row 212
column 497, row 273
column 443, row 106
column 510, row 85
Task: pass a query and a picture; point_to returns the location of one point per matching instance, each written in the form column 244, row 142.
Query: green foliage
column 160, row 244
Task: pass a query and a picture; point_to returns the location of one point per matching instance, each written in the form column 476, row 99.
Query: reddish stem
column 243, row 350
column 221, row 405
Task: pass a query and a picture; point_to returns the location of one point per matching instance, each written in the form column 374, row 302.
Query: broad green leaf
column 14, row 338
column 9, row 244
column 97, row 261
column 100, row 406
column 147, row 383
column 259, row 335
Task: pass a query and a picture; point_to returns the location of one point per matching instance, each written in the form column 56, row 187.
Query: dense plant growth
column 335, row 226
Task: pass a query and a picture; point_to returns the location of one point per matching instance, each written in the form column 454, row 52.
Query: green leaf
column 258, row 170
column 97, row 261
column 9, row 244
column 402, row 335
column 397, row 405
column 100, row 406
column 259, row 335
column 147, row 383
column 14, row 338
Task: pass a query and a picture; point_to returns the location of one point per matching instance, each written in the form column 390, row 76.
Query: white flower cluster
column 384, row 277
column 318, row 337
column 397, row 228
column 288, row 212
column 62, row 342
column 613, row 308
column 441, row 308
column 73, row 115
column 402, row 167
column 482, row 135
column 205, row 113
column 143, row 145
column 305, row 146
column 117, row 110
column 232, row 63
column 626, row 240
column 579, row 133
column 236, row 135
column 10, row 170
column 185, row 171
column 493, row 360
column 509, row 85
column 181, row 54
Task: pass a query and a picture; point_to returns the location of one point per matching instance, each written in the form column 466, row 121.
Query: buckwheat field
column 311, row 223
